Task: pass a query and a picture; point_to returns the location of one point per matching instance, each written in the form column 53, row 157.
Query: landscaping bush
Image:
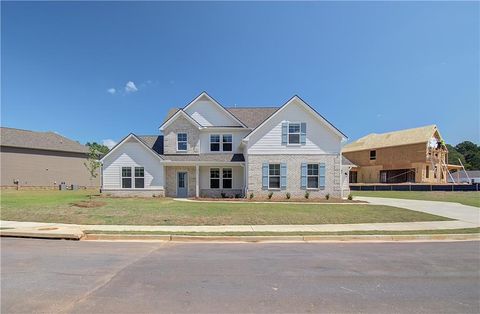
column 350, row 197
column 327, row 196
column 251, row 195
column 270, row 195
column 288, row 195
column 307, row 194
column 223, row 195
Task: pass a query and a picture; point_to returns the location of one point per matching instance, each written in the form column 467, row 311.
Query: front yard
column 466, row 198
column 58, row 206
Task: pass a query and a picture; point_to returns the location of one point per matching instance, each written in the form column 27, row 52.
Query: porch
column 204, row 180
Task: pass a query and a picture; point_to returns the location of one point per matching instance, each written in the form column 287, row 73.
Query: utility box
column 62, row 187
column 74, row 187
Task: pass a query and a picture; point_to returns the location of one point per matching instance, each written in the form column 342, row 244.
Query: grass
column 466, row 198
column 57, row 206
column 370, row 232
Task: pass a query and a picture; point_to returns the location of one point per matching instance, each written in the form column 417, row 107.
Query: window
column 214, row 143
column 227, row 178
column 312, row 176
column 227, row 142
column 294, row 133
column 274, row 176
column 139, row 178
column 373, row 154
column 215, row 178
column 182, row 141
column 126, row 177
column 427, row 172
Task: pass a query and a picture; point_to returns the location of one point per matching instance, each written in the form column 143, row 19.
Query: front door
column 182, row 184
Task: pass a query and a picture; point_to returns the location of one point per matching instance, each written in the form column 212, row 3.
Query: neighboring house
column 468, row 176
column 413, row 155
column 207, row 150
column 42, row 159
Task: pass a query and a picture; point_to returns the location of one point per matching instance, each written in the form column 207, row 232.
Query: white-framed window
column 227, row 142
column 294, row 133
column 126, row 177
column 312, row 176
column 182, row 140
column 139, row 177
column 227, row 178
column 214, row 178
column 274, row 176
column 214, row 142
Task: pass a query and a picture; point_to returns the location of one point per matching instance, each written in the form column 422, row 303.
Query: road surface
column 114, row 277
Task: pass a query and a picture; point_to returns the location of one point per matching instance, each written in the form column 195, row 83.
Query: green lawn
column 57, row 206
column 466, row 198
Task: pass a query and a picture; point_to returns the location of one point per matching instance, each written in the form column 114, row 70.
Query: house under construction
column 416, row 155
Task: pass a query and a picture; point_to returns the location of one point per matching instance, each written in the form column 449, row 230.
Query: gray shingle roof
column 252, row 117
column 39, row 140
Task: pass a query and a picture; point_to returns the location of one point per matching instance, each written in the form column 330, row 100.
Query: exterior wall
column 181, row 125
column 134, row 193
column 320, row 138
column 207, row 113
column 132, row 154
column 398, row 157
column 332, row 175
column 41, row 168
column 237, row 137
column 171, row 180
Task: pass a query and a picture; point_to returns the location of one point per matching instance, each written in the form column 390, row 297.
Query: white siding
column 208, row 113
column 132, row 154
column 237, row 174
column 320, row 138
column 237, row 137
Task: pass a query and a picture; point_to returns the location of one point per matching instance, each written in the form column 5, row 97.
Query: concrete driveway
column 45, row 276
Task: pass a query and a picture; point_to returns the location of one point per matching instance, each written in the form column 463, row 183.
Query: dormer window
column 182, row 140
column 294, row 133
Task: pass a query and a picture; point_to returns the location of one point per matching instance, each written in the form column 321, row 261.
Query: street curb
column 39, row 234
column 310, row 238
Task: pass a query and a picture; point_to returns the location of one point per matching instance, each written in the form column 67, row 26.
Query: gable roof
column 39, row 140
column 146, row 141
column 177, row 114
column 308, row 107
column 396, row 138
column 252, row 116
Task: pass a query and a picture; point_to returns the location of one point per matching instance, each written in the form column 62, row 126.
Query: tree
column 92, row 164
column 454, row 155
column 471, row 152
column 102, row 149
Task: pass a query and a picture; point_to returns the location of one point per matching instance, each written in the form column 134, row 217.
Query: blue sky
column 367, row 67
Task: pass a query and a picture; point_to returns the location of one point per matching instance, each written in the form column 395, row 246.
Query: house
column 468, row 176
column 42, row 159
column 207, row 150
column 413, row 155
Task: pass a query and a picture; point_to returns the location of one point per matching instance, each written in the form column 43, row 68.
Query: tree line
column 467, row 152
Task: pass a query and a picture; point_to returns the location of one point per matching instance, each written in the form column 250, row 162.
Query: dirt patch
column 89, row 204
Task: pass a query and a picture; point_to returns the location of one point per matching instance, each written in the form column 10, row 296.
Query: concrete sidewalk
column 465, row 217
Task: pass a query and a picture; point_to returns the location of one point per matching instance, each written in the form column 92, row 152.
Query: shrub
column 288, row 195
column 251, row 195
column 223, row 195
column 238, row 195
column 307, row 194
column 350, row 197
column 270, row 195
column 327, row 196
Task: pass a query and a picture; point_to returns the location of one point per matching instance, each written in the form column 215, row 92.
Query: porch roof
column 205, row 158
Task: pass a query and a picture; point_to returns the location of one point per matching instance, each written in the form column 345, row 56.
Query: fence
column 417, row 187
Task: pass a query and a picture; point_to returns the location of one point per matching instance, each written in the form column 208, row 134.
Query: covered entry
column 397, row 176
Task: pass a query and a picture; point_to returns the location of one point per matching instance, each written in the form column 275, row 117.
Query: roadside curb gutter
column 50, row 232
column 310, row 238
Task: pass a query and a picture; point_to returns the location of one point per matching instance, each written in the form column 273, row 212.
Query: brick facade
column 332, row 175
column 171, row 180
column 182, row 125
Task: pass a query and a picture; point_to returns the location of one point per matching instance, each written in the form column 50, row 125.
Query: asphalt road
column 90, row 277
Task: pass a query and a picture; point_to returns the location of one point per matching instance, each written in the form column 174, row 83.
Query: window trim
column 231, row 179
column 219, row 143
column 279, row 176
column 210, row 178
column 186, row 142
column 231, row 142
column 314, row 176
column 299, row 134
column 135, row 177
column 130, row 177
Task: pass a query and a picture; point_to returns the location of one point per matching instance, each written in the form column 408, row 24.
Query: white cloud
column 109, row 143
column 111, row 90
column 130, row 87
